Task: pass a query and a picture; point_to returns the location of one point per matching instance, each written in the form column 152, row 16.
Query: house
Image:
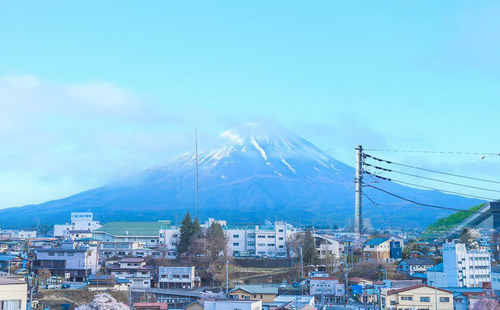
column 168, row 239
column 177, row 277
column 327, row 290
column 264, row 293
column 416, row 297
column 464, row 298
column 150, row 306
column 383, row 249
column 71, row 261
column 225, row 304
column 108, row 249
column 326, row 246
column 105, row 282
column 175, row 298
column 412, row 265
column 133, row 269
column 13, row 293
column 145, row 233
column 295, row 302
column 195, row 305
column 268, row 240
column 495, row 279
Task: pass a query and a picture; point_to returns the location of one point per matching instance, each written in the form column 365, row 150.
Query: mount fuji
column 259, row 171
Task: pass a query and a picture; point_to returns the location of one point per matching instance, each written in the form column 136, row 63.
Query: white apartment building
column 326, row 289
column 268, row 240
column 176, row 277
column 20, row 234
column 168, row 240
column 82, row 221
column 461, row 267
column 13, row 293
column 326, row 245
column 232, row 305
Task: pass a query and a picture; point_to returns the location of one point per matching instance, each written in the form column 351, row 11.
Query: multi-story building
column 416, row 297
column 463, row 267
column 177, row 277
column 168, row 240
column 133, row 269
column 495, row 279
column 327, row 290
column 146, row 233
column 19, row 234
column 108, row 249
column 83, row 221
column 13, row 293
column 383, row 249
column 268, row 240
column 232, row 305
column 71, row 261
column 328, row 246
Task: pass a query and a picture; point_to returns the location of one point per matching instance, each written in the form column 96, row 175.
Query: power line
column 429, row 170
column 421, row 204
column 432, row 179
column 428, row 187
column 434, row 152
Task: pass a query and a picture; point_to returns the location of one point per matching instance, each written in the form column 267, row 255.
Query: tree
column 104, row 302
column 186, row 232
column 196, row 228
column 309, row 253
column 486, row 304
column 216, row 242
column 335, row 226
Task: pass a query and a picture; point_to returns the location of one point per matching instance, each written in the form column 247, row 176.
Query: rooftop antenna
column 196, row 158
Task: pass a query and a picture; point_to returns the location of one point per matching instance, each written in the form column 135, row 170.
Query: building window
column 444, row 299
column 406, row 298
column 425, row 299
column 51, row 253
column 236, row 244
column 236, row 236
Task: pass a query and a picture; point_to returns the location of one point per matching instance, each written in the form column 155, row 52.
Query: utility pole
column 346, row 279
column 358, row 216
column 301, row 269
column 196, row 155
column 227, row 278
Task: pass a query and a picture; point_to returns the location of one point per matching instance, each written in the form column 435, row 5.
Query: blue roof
column 438, row 268
column 376, row 241
column 419, row 275
column 7, row 258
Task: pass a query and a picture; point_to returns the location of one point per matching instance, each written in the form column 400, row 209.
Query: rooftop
column 419, row 261
column 413, row 287
column 376, row 241
column 159, row 305
column 11, row 280
column 133, row 228
column 437, row 268
column 257, row 289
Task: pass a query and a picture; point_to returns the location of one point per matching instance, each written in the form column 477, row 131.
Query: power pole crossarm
column 358, row 215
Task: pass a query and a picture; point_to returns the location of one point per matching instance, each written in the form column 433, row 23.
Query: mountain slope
column 260, row 171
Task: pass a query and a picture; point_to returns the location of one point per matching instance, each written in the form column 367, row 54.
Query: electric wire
column 428, row 187
column 433, row 152
column 428, row 170
column 431, row 179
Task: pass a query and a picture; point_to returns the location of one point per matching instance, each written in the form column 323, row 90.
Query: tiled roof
column 133, row 228
column 376, row 241
column 419, row 261
column 413, row 287
column 257, row 289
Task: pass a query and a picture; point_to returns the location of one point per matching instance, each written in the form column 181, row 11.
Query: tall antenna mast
column 196, row 155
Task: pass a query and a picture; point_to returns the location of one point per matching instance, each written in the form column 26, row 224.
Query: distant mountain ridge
column 260, row 171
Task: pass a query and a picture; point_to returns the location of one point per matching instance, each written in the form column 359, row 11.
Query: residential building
column 18, row 234
column 177, row 277
column 268, row 240
column 412, row 265
column 436, row 276
column 133, row 269
column 176, row 299
column 296, row 302
column 326, row 245
column 13, row 293
column 264, row 293
column 79, row 221
column 383, row 249
column 108, row 249
column 71, row 261
column 232, row 305
column 168, row 239
column 416, row 297
column 105, row 282
column 146, row 233
column 327, row 290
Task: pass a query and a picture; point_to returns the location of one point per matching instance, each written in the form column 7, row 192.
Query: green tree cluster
column 188, row 230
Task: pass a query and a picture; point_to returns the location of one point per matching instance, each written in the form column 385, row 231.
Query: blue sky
column 92, row 90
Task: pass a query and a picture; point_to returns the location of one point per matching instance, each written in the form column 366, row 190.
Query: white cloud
column 59, row 139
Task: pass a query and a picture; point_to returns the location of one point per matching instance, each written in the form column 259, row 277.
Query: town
column 216, row 265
